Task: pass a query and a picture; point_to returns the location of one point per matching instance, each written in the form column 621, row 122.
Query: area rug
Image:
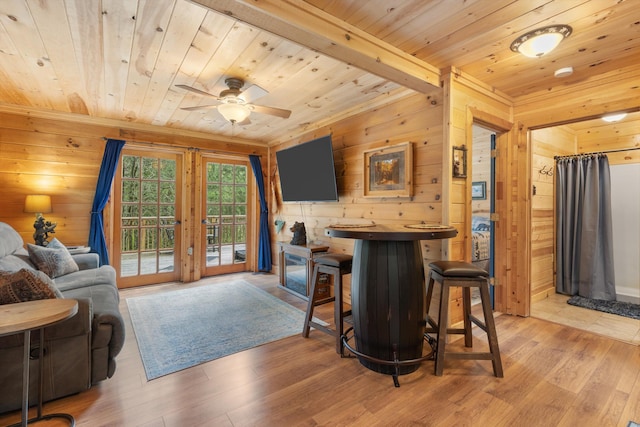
column 621, row 308
column 179, row 329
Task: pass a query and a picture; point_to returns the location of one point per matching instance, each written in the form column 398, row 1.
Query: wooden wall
column 598, row 135
column 416, row 118
column 60, row 154
column 545, row 144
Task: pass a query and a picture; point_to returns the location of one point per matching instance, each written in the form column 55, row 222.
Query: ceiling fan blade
column 252, row 93
column 199, row 107
column 198, row 91
column 279, row 112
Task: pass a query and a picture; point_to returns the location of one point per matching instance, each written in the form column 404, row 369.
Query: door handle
column 177, row 222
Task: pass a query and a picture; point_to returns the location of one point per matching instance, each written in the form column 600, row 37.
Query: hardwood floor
column 554, row 308
column 555, row 375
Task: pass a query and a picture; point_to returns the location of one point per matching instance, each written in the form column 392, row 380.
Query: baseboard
column 544, row 294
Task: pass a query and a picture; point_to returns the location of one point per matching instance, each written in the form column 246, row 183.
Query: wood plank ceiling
column 122, row 59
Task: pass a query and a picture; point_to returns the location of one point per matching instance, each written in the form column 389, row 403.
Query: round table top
column 29, row 315
column 392, row 232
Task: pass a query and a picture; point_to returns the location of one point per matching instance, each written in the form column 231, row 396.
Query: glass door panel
column 147, row 193
column 225, row 217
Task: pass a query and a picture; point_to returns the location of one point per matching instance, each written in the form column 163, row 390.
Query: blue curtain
column 97, row 241
column 264, row 243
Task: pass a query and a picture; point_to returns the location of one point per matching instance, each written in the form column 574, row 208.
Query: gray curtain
column 584, row 238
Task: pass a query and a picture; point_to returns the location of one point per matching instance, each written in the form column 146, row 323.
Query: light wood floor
column 555, row 309
column 554, row 376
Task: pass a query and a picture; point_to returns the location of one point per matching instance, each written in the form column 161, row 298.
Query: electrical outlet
column 190, row 250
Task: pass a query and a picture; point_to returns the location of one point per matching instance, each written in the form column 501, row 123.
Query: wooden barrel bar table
column 388, row 293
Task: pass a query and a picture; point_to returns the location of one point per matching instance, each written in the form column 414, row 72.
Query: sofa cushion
column 16, row 262
column 54, row 262
column 11, row 240
column 26, row 285
column 87, row 278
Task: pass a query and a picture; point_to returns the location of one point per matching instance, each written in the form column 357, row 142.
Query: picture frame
column 459, row 162
column 388, row 171
column 479, row 190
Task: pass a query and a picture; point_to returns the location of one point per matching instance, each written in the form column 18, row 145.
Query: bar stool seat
column 335, row 265
column 467, row 276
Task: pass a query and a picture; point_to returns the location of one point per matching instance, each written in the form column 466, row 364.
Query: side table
column 23, row 318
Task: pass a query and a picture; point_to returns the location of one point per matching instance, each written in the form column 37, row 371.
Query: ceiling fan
column 234, row 104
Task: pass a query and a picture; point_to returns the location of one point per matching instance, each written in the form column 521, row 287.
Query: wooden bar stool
column 467, row 276
column 336, row 265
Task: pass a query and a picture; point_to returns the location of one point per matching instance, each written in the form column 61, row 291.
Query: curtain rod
column 597, row 152
column 180, row 147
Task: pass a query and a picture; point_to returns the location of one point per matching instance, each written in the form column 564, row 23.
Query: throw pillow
column 56, row 244
column 54, row 262
column 26, row 285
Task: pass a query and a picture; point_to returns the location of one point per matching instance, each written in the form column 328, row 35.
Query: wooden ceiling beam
column 313, row 28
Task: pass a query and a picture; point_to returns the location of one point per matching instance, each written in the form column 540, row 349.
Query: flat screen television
column 307, row 172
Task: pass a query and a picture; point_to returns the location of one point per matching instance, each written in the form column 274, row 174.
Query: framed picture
column 479, row 190
column 389, row 171
column 459, row 167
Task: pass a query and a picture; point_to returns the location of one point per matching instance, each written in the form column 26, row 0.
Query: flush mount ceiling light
column 541, row 41
column 614, row 117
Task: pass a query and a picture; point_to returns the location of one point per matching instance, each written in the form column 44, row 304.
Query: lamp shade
column 37, row 203
column 235, row 113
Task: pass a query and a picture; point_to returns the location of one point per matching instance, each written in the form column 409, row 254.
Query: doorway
column 482, row 199
column 588, row 135
column 226, row 209
column 147, row 191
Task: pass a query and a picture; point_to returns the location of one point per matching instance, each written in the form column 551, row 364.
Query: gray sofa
column 79, row 351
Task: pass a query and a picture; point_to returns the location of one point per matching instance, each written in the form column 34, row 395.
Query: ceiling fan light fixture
column 541, row 41
column 234, row 112
column 614, row 117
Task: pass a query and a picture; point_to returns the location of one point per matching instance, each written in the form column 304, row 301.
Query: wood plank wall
column 416, row 118
column 60, row 154
column 545, row 144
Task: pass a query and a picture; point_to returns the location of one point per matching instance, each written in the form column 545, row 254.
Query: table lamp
column 39, row 204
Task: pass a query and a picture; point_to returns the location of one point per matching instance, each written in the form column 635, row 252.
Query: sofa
column 80, row 351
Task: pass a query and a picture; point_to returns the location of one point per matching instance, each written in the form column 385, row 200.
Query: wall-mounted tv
column 307, row 172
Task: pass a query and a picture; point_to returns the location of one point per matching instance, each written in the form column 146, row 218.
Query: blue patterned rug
column 620, row 308
column 179, row 329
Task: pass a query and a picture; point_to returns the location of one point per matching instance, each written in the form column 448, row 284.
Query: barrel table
column 388, row 293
